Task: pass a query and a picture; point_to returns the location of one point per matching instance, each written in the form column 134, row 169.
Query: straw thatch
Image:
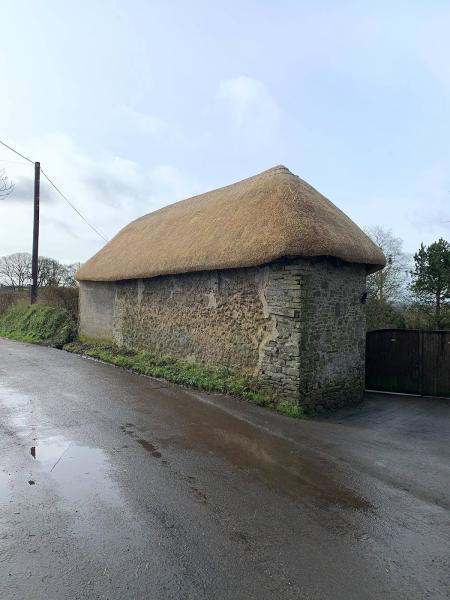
column 255, row 221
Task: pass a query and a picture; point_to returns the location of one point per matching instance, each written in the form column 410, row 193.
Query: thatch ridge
column 252, row 222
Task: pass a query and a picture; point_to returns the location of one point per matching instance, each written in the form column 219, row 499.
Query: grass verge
column 211, row 379
column 38, row 324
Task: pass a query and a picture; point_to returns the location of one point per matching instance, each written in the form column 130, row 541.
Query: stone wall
column 240, row 318
column 332, row 333
column 298, row 324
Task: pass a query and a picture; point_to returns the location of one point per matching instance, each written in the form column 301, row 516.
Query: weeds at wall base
column 209, row 379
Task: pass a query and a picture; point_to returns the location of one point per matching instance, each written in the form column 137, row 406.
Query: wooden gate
column 411, row 361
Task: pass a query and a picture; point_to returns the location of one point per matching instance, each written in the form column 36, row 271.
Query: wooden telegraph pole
column 34, row 258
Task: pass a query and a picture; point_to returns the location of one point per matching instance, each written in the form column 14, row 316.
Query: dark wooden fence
column 408, row 360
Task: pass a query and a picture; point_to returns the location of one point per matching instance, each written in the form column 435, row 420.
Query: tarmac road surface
column 114, row 485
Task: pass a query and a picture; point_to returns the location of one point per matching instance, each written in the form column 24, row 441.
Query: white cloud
column 249, row 105
column 110, row 191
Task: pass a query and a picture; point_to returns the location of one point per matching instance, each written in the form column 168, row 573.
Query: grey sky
column 130, row 106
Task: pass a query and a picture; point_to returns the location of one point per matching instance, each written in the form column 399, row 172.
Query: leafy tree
column 380, row 315
column 431, row 277
column 50, row 272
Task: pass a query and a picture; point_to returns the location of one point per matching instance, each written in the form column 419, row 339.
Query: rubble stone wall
column 296, row 324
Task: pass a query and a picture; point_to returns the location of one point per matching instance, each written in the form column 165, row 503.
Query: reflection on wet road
column 117, row 486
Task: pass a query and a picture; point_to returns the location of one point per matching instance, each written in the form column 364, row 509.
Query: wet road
column 118, row 486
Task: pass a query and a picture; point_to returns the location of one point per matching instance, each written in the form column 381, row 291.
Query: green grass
column 38, row 324
column 211, row 379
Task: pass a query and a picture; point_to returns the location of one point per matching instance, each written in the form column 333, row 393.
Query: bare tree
column 390, row 285
column 15, row 270
column 69, row 275
column 6, row 186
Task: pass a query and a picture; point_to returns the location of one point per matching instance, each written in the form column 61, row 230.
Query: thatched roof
column 255, row 221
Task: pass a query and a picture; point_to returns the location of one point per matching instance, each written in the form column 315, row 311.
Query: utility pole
column 34, row 258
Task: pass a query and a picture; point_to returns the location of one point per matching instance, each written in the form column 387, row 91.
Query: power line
column 12, row 162
column 59, row 192
column 72, row 206
column 15, row 152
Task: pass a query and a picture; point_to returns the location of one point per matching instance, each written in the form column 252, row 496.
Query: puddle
column 84, row 472
column 285, row 469
column 80, row 471
column 49, row 452
column 275, row 461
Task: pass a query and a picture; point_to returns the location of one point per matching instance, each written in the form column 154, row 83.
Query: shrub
column 60, row 297
column 9, row 298
column 55, row 296
column 39, row 323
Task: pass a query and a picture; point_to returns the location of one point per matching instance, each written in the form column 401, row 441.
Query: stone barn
column 265, row 276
